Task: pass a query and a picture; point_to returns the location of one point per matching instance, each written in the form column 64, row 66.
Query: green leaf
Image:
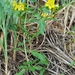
column 23, row 67
column 21, row 72
column 23, row 13
column 63, row 2
column 24, row 30
column 1, row 44
column 43, row 63
column 73, row 29
column 41, row 23
column 71, row 32
column 31, row 69
column 32, row 1
column 40, row 56
column 17, row 49
column 42, row 71
column 61, row 74
column 1, row 12
column 45, row 10
column 37, row 16
column 28, row 63
column 37, row 67
column 34, row 61
column 13, row 27
column 72, row 63
column 15, row 16
column 73, row 39
column 20, row 44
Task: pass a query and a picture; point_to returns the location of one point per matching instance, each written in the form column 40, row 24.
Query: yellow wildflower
column 47, row 15
column 51, row 4
column 20, row 6
column 56, row 7
column 14, row 3
column 17, row 6
column 44, row 14
column 51, row 16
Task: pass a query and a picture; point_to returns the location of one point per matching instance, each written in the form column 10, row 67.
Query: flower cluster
column 51, row 4
column 44, row 15
column 18, row 6
column 47, row 15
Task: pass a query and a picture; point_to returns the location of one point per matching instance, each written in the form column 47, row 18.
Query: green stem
column 6, row 56
column 15, row 44
column 25, row 48
column 5, row 47
column 24, row 40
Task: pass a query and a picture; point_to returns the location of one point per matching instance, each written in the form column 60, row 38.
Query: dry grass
column 56, row 44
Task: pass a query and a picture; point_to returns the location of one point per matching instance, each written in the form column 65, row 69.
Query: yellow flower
column 17, row 6
column 44, row 14
column 47, row 15
column 56, row 7
column 51, row 16
column 51, row 4
column 20, row 6
column 14, row 3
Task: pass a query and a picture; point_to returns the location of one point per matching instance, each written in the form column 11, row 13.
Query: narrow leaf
column 42, row 26
column 40, row 56
column 72, row 63
column 21, row 72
